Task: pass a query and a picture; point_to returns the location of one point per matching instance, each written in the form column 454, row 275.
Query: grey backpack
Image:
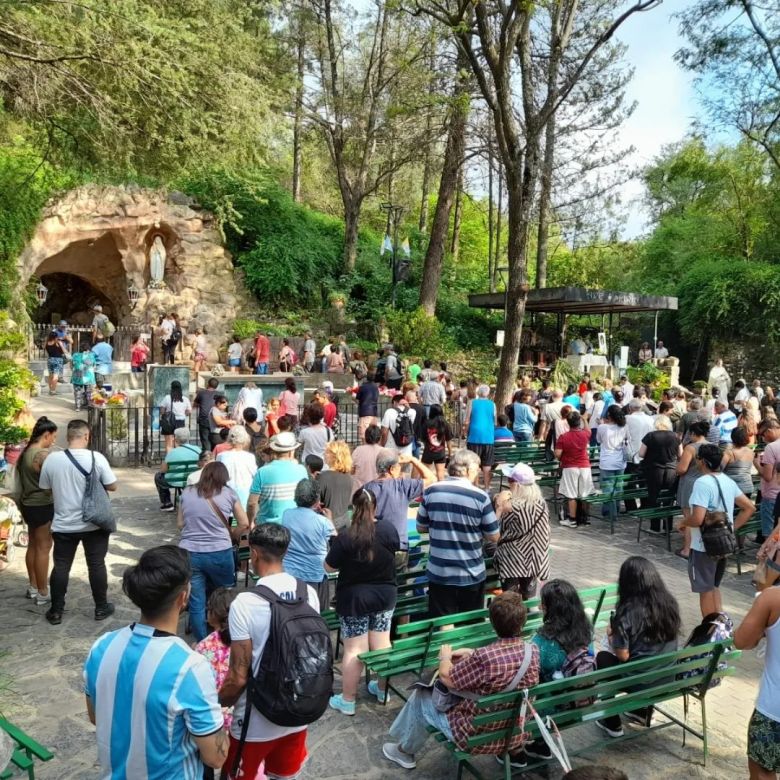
column 96, row 505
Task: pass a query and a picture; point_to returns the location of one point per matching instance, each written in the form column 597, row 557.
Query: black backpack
column 403, row 434
column 294, row 679
column 379, row 371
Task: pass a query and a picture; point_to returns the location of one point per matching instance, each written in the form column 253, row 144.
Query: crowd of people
column 274, row 478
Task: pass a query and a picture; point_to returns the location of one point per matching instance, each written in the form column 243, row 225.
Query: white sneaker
column 31, row 592
column 392, row 752
column 40, row 600
column 567, row 523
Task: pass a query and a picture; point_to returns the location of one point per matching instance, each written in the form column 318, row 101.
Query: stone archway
column 100, row 237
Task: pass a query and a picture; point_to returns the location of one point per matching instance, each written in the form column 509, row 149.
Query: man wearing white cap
column 273, row 487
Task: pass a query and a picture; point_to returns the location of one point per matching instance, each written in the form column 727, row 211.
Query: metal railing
column 121, row 341
column 130, row 435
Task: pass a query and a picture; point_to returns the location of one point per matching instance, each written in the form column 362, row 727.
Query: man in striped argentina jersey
column 152, row 698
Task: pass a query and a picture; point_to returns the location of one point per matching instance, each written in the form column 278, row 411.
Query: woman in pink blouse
column 290, row 400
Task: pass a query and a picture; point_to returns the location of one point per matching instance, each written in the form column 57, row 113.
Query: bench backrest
column 177, row 473
column 571, row 700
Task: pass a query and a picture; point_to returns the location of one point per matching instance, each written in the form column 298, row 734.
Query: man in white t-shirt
column 67, row 483
column 398, row 407
column 283, row 748
column 661, row 352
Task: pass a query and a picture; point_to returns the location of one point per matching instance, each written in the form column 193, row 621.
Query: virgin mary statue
column 157, row 257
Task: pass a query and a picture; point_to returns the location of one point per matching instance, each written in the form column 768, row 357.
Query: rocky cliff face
column 102, row 235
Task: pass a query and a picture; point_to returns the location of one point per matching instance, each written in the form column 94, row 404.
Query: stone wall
column 102, row 235
column 747, row 360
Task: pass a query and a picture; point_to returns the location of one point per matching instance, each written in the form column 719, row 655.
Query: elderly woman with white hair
column 479, row 429
column 240, row 463
column 660, row 452
column 523, row 552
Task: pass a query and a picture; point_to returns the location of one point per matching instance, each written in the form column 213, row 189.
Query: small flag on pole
column 405, row 248
column 387, row 246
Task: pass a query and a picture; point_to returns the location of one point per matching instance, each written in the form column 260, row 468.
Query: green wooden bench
column 417, row 647
column 667, row 508
column 176, row 476
column 25, row 751
column 570, row 702
column 752, row 526
column 620, row 490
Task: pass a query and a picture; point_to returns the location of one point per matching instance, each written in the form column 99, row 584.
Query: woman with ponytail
column 37, row 508
column 364, row 556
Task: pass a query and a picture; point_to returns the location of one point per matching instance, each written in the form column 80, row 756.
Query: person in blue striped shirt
column 458, row 517
column 151, row 697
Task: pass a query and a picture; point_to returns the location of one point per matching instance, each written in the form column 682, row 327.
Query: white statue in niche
column 157, row 255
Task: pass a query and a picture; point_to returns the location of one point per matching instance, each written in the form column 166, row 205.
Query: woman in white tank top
column 763, row 619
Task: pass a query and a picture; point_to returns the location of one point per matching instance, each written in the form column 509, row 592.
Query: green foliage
column 14, row 380
column 26, row 183
column 564, row 374
column 417, row 333
column 650, row 376
column 724, row 299
column 246, row 329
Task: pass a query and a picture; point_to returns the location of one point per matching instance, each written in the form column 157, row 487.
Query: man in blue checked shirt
column 152, row 698
column 458, row 517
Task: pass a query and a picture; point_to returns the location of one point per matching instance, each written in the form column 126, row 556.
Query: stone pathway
column 42, row 663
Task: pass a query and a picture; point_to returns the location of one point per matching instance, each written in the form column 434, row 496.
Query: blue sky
column 666, row 98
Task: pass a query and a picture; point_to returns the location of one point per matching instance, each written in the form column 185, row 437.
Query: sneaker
column 568, row 523
column 516, row 760
column 168, row 507
column 538, row 749
column 639, row 719
column 392, row 752
column 55, row 618
column 40, row 600
column 612, row 732
column 375, row 690
column 31, row 592
column 337, row 702
column 101, row 613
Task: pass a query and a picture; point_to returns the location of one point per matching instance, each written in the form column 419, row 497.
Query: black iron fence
column 130, row 435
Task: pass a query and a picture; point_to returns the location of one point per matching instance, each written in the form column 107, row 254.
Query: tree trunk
column 455, row 243
column 298, row 120
column 491, row 224
column 497, row 257
column 448, row 185
column 351, row 224
column 544, row 205
column 520, row 193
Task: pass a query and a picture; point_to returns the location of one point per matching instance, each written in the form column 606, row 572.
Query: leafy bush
column 14, row 380
column 417, row 333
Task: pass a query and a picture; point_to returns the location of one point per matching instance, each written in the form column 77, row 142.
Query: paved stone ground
column 43, row 663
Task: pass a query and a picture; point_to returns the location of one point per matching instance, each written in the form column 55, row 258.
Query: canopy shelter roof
column 578, row 300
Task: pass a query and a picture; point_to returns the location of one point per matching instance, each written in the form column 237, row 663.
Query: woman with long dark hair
column 437, row 441
column 646, row 622
column 37, row 508
column 174, row 411
column 364, row 556
column 565, row 627
column 206, row 533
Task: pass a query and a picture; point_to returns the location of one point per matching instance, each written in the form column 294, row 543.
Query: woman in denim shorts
column 55, row 361
column 364, row 556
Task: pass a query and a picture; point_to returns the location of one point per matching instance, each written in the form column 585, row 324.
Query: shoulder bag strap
column 722, row 500
column 216, row 510
column 77, row 464
column 528, row 654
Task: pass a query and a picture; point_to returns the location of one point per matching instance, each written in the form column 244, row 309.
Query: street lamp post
column 394, row 214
